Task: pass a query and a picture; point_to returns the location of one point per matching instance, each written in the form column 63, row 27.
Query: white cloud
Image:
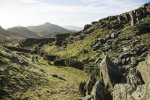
column 33, row 12
column 29, row 1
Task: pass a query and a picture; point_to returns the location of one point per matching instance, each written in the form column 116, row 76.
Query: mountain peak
column 47, row 23
column 1, row 28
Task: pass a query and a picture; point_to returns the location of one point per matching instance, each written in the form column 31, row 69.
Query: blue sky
column 61, row 12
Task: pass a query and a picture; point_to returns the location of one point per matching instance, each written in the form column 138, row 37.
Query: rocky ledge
column 114, row 85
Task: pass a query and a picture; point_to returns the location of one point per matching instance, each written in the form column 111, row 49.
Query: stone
column 87, row 97
column 58, row 77
column 109, row 73
column 59, row 62
column 144, row 69
column 126, row 92
column 107, row 37
column 122, row 92
column 82, row 88
column 132, row 17
column 134, row 78
column 113, row 35
column 87, row 26
column 99, row 92
column 90, row 84
column 142, row 92
column 72, row 62
column 133, row 61
column 50, row 57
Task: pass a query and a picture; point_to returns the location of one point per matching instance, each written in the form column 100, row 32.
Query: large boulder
column 109, row 73
column 82, row 88
column 142, row 92
column 134, row 78
column 91, row 82
column 122, row 92
column 87, row 26
column 144, row 69
column 99, row 92
column 127, row 92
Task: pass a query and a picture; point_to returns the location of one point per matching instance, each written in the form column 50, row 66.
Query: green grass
column 56, row 89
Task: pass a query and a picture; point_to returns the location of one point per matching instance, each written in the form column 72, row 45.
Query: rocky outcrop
column 111, row 87
column 109, row 73
column 135, row 88
column 144, row 69
column 109, row 76
column 91, row 82
column 134, row 16
column 87, row 26
column 122, row 92
column 134, row 78
column 127, row 92
column 82, row 88
column 99, row 92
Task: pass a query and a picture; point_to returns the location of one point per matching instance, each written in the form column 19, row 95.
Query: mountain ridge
column 48, row 29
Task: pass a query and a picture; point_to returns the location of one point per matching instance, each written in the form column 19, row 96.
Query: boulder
column 58, row 77
column 87, row 26
column 142, row 92
column 91, row 82
column 122, row 92
column 109, row 73
column 142, row 28
column 59, row 62
column 126, row 92
column 99, row 92
column 82, row 88
column 134, row 78
column 113, row 35
column 144, row 69
column 50, row 57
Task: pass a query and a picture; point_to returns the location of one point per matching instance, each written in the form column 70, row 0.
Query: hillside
column 24, row 32
column 9, row 37
column 48, row 29
column 108, row 60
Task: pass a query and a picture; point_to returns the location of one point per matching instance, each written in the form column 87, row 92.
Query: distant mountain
column 73, row 28
column 48, row 29
column 8, row 37
column 23, row 32
column 2, row 32
column 6, row 34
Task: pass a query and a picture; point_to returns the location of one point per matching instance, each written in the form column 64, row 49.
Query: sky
column 61, row 12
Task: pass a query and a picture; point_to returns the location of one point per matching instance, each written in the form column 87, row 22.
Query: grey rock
column 99, row 91
column 122, row 92
column 90, row 84
column 82, row 88
column 133, row 78
column 87, row 26
column 144, row 69
column 109, row 73
column 88, row 97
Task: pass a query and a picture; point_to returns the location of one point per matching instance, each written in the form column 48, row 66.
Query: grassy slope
column 75, row 48
column 35, row 81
